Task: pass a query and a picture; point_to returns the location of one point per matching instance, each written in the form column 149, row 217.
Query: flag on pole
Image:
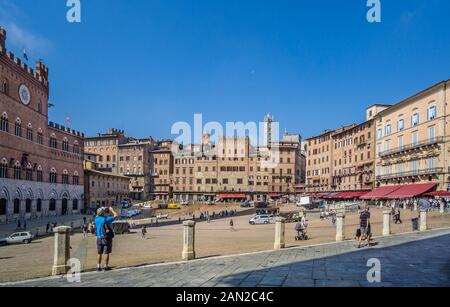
column 68, row 121
column 25, row 55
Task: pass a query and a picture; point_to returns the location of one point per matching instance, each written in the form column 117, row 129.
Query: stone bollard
column 340, row 223
column 423, row 223
column 188, row 241
column 387, row 223
column 280, row 226
column 415, row 206
column 62, row 250
column 404, row 206
column 441, row 208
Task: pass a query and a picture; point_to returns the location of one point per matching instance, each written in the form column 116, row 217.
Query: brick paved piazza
column 415, row 259
column 164, row 243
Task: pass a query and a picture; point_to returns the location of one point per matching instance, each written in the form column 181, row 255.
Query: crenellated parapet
column 40, row 74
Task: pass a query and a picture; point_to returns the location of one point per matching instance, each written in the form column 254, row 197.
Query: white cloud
column 18, row 37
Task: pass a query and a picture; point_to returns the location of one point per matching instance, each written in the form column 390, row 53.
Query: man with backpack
column 103, row 230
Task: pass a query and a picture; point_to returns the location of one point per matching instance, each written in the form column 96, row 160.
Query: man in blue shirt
column 104, row 235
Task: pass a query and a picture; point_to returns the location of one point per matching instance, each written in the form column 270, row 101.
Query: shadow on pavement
column 423, row 263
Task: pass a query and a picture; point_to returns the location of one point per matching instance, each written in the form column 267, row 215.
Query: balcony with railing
column 411, row 147
column 410, row 174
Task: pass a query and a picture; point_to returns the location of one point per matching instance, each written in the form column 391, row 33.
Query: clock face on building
column 24, row 94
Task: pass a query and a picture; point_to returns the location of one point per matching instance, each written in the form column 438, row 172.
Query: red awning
column 381, row 193
column 412, row 190
column 231, row 196
column 438, row 194
column 351, row 195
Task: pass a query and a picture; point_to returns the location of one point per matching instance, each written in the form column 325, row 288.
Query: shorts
column 364, row 231
column 104, row 246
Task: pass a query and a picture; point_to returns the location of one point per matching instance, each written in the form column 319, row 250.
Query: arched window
column 16, row 206
column 40, row 137
column 53, row 176
column 29, row 173
column 52, row 205
column 65, row 177
column 4, row 123
column 39, row 174
column 29, row 132
column 3, row 206
column 75, row 205
column 17, row 171
column 28, row 205
column 76, row 148
column 76, row 178
column 18, row 127
column 53, row 143
column 5, row 87
column 4, row 168
column 65, row 144
column 39, row 205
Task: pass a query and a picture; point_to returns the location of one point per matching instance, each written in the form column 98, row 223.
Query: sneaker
column 99, row 269
column 107, row 268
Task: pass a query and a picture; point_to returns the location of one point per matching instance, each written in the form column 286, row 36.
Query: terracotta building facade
column 412, row 142
column 102, row 188
column 41, row 163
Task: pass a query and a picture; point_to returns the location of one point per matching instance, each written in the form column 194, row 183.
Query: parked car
column 245, row 204
column 174, row 206
column 17, row 238
column 261, row 219
column 130, row 213
column 120, row 227
column 148, row 206
column 261, row 204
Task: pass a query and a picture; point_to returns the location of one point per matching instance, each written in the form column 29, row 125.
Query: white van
column 261, row 219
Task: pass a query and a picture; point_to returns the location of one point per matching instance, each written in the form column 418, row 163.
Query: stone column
column 62, row 250
column 340, row 223
column 441, row 208
column 280, row 226
column 188, row 240
column 387, row 223
column 423, row 223
column 415, row 206
column 404, row 206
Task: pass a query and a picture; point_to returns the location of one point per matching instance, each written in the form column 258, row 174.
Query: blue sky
column 143, row 65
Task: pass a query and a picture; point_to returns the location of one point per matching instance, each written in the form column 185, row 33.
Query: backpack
column 108, row 233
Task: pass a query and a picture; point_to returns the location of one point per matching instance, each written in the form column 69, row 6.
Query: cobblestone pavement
column 409, row 260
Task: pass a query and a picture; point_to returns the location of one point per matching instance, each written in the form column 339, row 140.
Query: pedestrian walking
column 47, row 228
column 143, row 232
column 364, row 222
column 18, row 224
column 85, row 230
column 232, row 225
column 397, row 217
